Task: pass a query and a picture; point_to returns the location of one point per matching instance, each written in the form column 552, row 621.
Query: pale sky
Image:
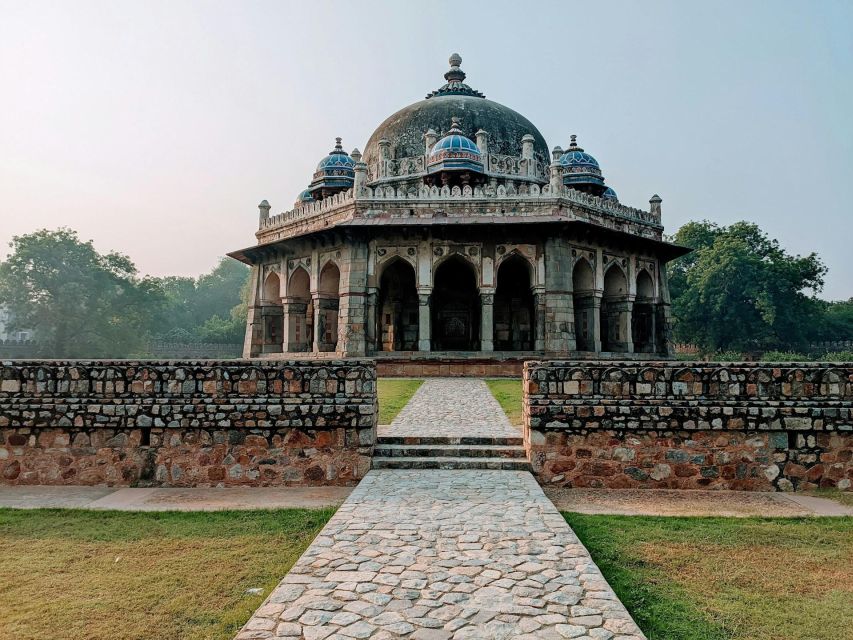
column 154, row 128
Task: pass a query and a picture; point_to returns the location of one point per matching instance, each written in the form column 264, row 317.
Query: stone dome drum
column 405, row 129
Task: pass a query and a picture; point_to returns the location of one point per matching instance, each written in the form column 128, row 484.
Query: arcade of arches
column 457, row 312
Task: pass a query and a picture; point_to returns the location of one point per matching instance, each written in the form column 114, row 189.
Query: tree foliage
column 80, row 303
column 740, row 290
column 211, row 308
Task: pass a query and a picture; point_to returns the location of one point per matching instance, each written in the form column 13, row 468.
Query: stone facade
column 690, row 425
column 471, row 242
column 186, row 423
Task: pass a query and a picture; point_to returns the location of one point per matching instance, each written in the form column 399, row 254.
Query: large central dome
column 405, row 129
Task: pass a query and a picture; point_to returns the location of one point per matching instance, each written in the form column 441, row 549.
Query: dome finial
column 455, row 74
column 454, row 126
column 574, row 142
column 455, row 81
column 338, row 144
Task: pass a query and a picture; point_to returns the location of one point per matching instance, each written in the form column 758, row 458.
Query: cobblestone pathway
column 435, row 554
column 451, row 407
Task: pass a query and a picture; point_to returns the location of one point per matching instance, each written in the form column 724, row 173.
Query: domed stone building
column 458, row 235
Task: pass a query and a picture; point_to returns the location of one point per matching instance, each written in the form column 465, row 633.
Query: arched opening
column 643, row 317
column 328, row 301
column 272, row 289
column 513, row 310
column 272, row 312
column 398, row 308
column 300, row 314
column 614, row 329
column 455, row 307
column 583, row 303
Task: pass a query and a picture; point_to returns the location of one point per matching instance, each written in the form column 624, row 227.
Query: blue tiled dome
column 609, row 194
column 455, row 152
column 338, row 159
column 305, row 196
column 580, row 170
column 336, row 171
column 578, row 159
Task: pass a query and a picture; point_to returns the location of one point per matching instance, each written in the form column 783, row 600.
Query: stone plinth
column 690, row 425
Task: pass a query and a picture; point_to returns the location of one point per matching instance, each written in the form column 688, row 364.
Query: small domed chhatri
column 454, row 152
column 459, row 235
column 334, row 172
column 581, row 171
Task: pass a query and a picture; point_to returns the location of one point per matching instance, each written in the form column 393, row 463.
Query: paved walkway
column 451, row 407
column 196, row 499
column 435, row 555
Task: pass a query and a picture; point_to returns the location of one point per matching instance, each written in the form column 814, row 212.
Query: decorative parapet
column 309, row 210
column 401, row 196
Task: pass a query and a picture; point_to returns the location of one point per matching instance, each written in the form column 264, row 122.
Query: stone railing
column 186, row 423
column 677, row 425
column 383, row 195
column 309, row 210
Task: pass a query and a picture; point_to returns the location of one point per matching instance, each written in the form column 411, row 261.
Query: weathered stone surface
column 690, row 425
column 451, row 555
column 186, row 423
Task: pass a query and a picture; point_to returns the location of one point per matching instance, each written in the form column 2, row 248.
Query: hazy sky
column 155, row 128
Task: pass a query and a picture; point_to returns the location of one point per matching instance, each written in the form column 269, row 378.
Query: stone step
column 503, row 464
column 454, row 440
column 449, row 451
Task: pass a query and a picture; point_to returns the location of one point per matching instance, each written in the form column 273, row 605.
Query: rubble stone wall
column 690, row 425
column 186, row 423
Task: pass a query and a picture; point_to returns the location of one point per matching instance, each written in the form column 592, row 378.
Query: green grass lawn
column 73, row 574
column 728, row 578
column 507, row 392
column 393, row 394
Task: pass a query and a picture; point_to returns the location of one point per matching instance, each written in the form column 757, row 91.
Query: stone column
column 539, row 319
column 663, row 313
column 424, row 319
column 372, row 299
column 295, row 332
column 559, row 314
column 597, row 338
column 487, row 320
column 628, row 321
column 253, row 339
column 318, row 314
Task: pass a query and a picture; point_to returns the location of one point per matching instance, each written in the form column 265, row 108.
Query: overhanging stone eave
column 666, row 251
column 251, row 255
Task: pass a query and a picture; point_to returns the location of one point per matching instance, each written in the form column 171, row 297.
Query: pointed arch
column 583, row 303
column 299, row 285
column 328, row 307
column 397, row 304
column 513, row 318
column 272, row 288
column 299, row 312
column 643, row 318
column 455, row 305
column 614, row 330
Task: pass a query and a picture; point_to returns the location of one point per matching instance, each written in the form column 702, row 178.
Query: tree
column 80, row 303
column 191, row 303
column 740, row 290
